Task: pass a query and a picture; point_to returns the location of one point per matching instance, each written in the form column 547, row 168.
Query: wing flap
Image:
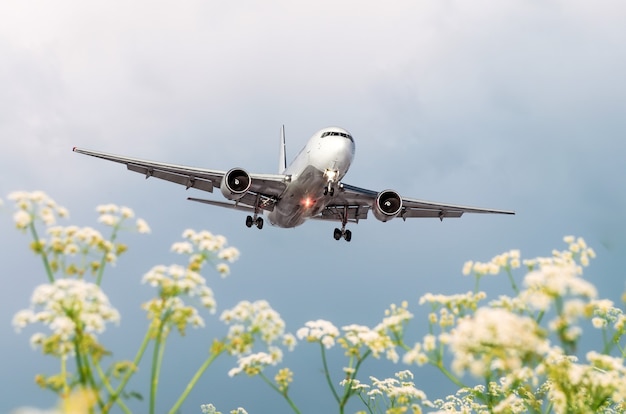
column 337, row 212
column 188, row 181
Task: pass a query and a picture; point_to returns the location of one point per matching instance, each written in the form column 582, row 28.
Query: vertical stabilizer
column 282, row 162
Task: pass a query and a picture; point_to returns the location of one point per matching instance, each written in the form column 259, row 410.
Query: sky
column 511, row 105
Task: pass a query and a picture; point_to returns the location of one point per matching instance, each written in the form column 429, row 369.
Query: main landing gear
column 346, row 234
column 343, row 232
column 258, row 222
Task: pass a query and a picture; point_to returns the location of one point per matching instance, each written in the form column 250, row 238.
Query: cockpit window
column 337, row 134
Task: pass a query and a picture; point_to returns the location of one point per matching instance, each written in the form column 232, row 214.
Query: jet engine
column 235, row 183
column 387, row 205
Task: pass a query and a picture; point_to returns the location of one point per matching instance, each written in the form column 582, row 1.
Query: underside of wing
column 389, row 204
column 262, row 187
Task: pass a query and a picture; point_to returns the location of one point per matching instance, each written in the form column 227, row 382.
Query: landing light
column 330, row 175
column 307, row 202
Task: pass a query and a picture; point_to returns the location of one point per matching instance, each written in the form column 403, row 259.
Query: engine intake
column 387, row 205
column 235, row 183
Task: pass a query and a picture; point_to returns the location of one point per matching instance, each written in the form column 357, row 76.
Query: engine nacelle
column 235, row 183
column 387, row 205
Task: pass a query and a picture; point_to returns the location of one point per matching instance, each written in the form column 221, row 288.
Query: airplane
column 311, row 187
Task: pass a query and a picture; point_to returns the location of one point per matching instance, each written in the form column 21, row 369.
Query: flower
column 319, row 331
column 67, row 306
column 254, row 364
column 248, row 320
column 494, row 339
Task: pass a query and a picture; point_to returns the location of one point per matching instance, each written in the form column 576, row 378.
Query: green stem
column 192, row 383
column 448, row 374
column 142, row 348
column 513, row 285
column 44, row 257
column 104, row 256
column 327, row 374
column 284, row 394
column 157, row 358
column 347, row 392
column 109, row 388
column 66, row 388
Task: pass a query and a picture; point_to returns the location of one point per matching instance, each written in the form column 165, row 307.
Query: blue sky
column 514, row 105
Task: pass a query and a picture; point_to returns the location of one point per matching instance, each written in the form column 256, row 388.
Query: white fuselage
column 325, row 158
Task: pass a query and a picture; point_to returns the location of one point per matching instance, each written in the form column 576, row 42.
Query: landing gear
column 258, row 222
column 346, row 234
column 343, row 232
column 331, row 178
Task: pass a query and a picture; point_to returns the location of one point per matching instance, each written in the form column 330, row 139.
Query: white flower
column 495, row 338
column 256, row 319
column 142, row 226
column 253, row 364
column 65, row 304
column 126, row 212
column 182, row 248
column 319, row 331
column 22, row 219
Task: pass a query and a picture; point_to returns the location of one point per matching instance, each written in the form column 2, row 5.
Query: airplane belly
column 304, row 198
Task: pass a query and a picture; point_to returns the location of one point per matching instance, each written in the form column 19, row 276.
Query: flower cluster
column 393, row 395
column 35, row 205
column 203, row 246
column 70, row 308
column 210, row 409
column 321, row 331
column 495, row 340
column 253, row 364
column 599, row 386
column 175, row 281
column 507, row 260
column 249, row 320
column 375, row 341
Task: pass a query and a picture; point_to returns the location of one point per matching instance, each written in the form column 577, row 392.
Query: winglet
column 282, row 161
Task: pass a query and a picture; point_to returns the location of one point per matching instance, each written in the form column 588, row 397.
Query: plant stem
column 107, row 385
column 347, row 392
column 284, row 394
column 142, row 348
column 157, row 358
column 44, row 257
column 104, row 256
column 192, row 383
column 327, row 374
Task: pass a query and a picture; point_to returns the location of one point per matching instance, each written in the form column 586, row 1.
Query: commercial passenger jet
column 309, row 188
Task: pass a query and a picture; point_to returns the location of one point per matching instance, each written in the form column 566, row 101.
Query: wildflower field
column 515, row 353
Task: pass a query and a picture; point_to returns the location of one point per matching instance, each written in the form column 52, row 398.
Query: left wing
column 354, row 203
column 263, row 187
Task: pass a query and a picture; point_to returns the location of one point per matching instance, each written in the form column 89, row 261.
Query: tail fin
column 282, row 162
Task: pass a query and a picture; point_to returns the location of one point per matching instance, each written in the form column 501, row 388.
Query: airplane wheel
column 259, row 223
column 347, row 235
column 332, row 191
column 337, row 234
column 325, row 190
column 249, row 221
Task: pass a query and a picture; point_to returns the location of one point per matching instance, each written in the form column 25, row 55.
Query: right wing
column 353, row 203
column 263, row 191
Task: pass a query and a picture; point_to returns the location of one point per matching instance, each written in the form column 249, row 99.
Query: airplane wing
column 354, row 203
column 264, row 188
